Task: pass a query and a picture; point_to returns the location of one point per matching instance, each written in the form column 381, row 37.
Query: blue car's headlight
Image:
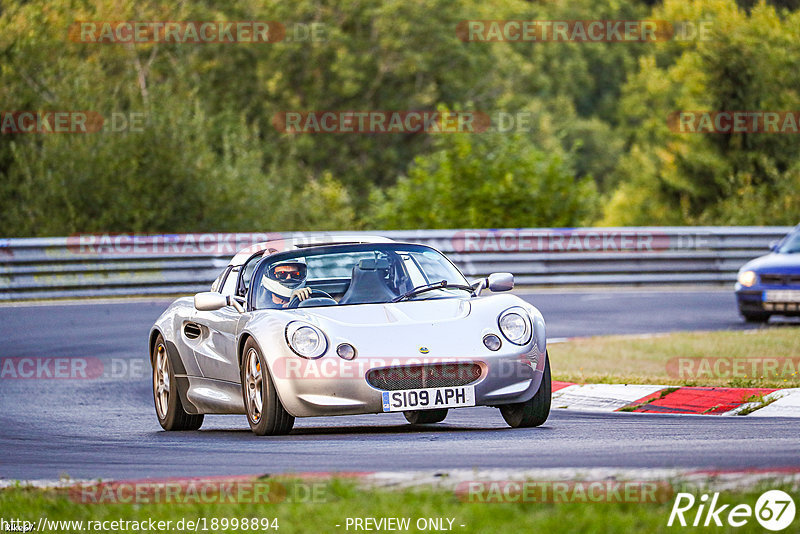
column 748, row 278
column 306, row 340
column 515, row 324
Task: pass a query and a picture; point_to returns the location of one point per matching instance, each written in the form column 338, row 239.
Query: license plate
column 781, row 295
column 428, row 398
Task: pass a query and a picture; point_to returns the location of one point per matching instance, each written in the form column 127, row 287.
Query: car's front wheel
column 535, row 411
column 425, row 417
column 169, row 408
column 265, row 413
column 755, row 317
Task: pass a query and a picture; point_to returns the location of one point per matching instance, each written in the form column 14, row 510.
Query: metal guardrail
column 115, row 265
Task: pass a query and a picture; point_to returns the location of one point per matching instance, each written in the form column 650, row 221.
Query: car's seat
column 368, row 283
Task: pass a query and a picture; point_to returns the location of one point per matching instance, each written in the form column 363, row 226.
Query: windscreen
column 792, row 243
column 354, row 274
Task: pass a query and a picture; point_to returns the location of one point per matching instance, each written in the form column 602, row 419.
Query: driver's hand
column 302, row 294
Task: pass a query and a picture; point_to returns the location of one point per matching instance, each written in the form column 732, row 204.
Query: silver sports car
column 312, row 327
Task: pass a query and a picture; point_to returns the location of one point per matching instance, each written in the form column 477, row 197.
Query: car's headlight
column 747, row 278
column 306, row 340
column 515, row 326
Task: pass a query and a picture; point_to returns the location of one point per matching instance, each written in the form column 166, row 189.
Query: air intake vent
column 424, row 376
column 780, row 279
column 192, row 330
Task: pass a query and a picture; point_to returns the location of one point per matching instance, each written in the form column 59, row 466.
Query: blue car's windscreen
column 791, row 245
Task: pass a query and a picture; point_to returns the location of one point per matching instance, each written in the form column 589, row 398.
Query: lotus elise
column 310, row 327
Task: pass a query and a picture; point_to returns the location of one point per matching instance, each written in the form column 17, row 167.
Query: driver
column 284, row 281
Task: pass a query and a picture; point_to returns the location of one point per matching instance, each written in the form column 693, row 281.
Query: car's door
column 216, row 353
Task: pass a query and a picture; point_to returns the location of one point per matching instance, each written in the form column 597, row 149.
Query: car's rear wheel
column 425, row 417
column 755, row 317
column 265, row 413
column 169, row 408
column 535, row 411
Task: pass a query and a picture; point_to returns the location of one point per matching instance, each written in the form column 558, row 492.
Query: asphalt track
column 106, row 427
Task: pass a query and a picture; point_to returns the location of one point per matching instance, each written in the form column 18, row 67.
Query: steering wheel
column 295, row 302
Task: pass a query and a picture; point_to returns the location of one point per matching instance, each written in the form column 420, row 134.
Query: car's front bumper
column 751, row 300
column 332, row 386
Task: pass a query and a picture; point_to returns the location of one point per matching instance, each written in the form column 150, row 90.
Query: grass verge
column 344, row 500
column 768, row 357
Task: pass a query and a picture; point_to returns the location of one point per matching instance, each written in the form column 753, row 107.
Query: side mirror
column 774, row 246
column 500, row 282
column 494, row 282
column 210, row 301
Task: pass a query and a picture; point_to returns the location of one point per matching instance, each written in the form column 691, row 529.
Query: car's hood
column 775, row 263
column 436, row 310
column 446, row 327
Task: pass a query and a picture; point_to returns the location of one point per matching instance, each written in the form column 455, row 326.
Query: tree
column 484, row 181
column 668, row 177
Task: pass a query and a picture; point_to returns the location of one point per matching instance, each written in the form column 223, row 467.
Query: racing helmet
column 285, row 276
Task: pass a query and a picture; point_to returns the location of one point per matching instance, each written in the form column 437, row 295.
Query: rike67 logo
column 774, row 510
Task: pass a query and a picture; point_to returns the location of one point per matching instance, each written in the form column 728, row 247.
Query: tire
column 535, row 411
column 265, row 413
column 425, row 417
column 755, row 317
column 169, row 408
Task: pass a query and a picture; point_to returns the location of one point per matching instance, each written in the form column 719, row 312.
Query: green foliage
column 487, row 180
column 209, row 157
column 748, row 63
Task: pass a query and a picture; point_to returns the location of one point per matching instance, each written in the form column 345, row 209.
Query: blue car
column 770, row 285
